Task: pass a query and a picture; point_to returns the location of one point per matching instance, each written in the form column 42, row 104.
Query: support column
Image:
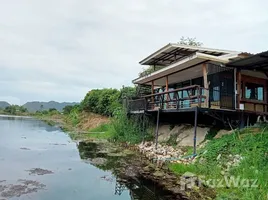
column 235, row 89
column 265, row 97
column 206, row 86
column 157, row 128
column 152, row 91
column 239, row 92
column 167, row 96
column 195, row 128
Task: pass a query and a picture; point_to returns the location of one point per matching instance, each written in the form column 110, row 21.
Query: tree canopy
column 189, row 41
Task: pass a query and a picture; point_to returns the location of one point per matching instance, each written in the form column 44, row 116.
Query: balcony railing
column 186, row 97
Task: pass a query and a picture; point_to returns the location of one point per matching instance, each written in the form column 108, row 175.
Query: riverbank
column 136, row 168
column 234, row 166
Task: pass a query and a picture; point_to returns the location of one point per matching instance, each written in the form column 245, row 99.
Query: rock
column 98, row 161
column 176, row 130
column 147, row 169
column 222, row 133
column 163, row 133
column 121, row 154
column 159, row 174
column 218, row 157
column 186, row 135
column 188, row 175
column 128, row 152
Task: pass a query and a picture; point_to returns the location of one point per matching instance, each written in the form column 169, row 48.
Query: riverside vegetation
column 242, row 155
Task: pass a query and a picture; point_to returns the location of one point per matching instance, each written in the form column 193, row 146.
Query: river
column 41, row 162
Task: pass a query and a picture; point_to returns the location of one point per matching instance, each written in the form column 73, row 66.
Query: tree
column 23, row 109
column 10, row 110
column 67, row 109
column 104, row 101
column 52, row 109
column 127, row 92
column 189, row 41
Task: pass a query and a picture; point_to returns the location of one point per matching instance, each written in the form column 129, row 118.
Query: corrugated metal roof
column 174, row 52
column 258, row 62
column 193, row 60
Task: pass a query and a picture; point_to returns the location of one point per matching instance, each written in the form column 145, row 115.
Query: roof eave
column 194, row 56
column 143, row 62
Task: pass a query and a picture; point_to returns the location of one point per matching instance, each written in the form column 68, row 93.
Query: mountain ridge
column 33, row 106
column 4, row 104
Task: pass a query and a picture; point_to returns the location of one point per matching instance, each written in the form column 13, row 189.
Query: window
column 254, row 91
column 216, row 93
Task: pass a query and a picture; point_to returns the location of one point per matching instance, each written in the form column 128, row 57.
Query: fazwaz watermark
column 189, row 180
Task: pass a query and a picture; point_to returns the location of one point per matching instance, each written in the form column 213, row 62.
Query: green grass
column 254, row 165
column 122, row 128
column 104, row 131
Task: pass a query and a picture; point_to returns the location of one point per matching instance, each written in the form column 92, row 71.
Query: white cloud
column 58, row 50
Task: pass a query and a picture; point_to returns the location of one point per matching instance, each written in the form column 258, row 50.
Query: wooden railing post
column 167, row 96
column 161, row 97
column 145, row 104
column 238, row 88
column 152, row 94
column 206, row 87
column 199, row 97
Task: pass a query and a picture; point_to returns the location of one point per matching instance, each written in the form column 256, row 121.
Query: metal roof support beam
column 180, row 70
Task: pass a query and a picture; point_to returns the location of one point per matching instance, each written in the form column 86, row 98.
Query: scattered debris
column 107, row 178
column 39, row 171
column 24, row 187
column 56, row 144
column 24, row 148
column 2, row 188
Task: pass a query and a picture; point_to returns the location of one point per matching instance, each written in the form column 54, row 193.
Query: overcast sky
column 58, row 50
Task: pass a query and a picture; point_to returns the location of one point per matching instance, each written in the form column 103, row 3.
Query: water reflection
column 29, row 122
column 51, row 149
column 139, row 188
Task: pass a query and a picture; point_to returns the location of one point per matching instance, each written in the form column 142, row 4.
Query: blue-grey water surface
column 29, row 143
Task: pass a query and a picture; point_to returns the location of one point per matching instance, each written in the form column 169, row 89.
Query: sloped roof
column 183, row 64
column 173, row 52
column 256, row 62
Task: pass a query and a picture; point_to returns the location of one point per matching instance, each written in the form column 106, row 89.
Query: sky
column 60, row 49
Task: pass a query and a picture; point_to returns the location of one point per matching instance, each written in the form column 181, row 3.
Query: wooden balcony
column 181, row 98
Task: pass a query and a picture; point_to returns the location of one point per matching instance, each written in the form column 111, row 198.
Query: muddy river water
column 41, row 162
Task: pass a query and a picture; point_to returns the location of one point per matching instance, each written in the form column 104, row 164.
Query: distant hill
column 37, row 105
column 4, row 104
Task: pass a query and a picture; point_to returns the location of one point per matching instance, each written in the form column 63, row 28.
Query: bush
column 252, row 147
column 67, row 109
column 102, row 102
column 129, row 128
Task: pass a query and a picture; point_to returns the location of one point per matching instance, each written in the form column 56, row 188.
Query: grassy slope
column 251, row 145
column 80, row 125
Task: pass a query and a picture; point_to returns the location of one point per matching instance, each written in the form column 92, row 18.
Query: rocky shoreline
column 129, row 164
